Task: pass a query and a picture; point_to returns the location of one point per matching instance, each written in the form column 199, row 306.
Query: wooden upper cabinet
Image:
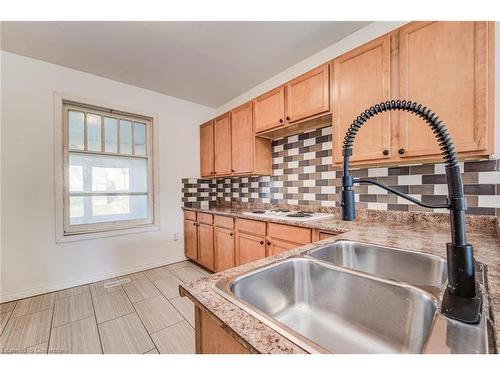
column 207, row 149
column 361, row 80
column 222, row 144
column 242, row 135
column 447, row 66
column 309, row 94
column 269, row 110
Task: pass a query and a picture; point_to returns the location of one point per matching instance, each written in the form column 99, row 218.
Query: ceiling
column 204, row 62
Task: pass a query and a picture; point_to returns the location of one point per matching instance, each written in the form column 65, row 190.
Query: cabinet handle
column 268, row 243
column 287, row 118
column 281, row 121
column 401, row 151
column 262, row 242
column 231, row 234
column 386, row 152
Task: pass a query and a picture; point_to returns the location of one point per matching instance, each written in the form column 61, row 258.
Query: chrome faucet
column 462, row 298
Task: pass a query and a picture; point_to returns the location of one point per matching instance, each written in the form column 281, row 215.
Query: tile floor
column 145, row 315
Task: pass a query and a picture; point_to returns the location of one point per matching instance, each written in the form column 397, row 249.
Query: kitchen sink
column 412, row 267
column 334, row 310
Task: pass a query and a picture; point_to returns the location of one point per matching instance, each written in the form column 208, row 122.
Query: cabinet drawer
column 205, row 218
column 251, row 226
column 289, row 233
column 190, row 215
column 223, row 222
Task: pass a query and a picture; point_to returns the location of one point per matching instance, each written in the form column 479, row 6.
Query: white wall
column 354, row 40
column 351, row 41
column 31, row 261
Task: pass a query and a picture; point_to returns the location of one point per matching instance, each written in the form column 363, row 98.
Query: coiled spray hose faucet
column 462, row 299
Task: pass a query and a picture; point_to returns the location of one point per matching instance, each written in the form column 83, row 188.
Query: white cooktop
column 288, row 214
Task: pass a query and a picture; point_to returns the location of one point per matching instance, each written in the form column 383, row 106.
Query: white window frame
column 64, row 232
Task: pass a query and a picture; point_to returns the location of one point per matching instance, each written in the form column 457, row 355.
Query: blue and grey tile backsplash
column 302, row 174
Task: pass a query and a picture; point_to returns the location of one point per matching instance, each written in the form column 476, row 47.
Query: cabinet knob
column 386, row 152
column 232, row 170
column 287, row 118
column 401, row 151
column 268, row 243
column 281, row 121
column 231, row 234
column 194, row 224
column 262, row 242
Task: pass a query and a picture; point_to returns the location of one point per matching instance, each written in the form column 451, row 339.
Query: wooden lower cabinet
column 211, row 338
column 275, row 246
column 249, row 247
column 224, row 249
column 191, row 240
column 206, row 245
column 319, row 235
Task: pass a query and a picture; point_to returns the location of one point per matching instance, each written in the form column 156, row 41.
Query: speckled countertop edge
column 257, row 336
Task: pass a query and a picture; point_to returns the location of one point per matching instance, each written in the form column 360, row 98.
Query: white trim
column 53, row 287
column 59, row 179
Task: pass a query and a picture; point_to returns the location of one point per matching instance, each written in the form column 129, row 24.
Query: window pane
column 110, row 134
column 139, row 138
column 110, row 174
column 100, row 209
column 93, row 132
column 75, row 178
column 94, row 176
column 76, row 130
column 125, row 137
column 75, row 209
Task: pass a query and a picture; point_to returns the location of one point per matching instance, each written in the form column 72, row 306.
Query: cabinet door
column 222, row 130
column 249, row 248
column 270, row 110
column 444, row 66
column 242, row 138
column 361, row 80
column 191, row 240
column 276, row 246
column 207, row 149
column 206, row 245
column 224, row 249
column 309, row 94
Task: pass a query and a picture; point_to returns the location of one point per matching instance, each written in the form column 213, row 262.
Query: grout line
column 50, row 329
column 143, row 325
column 9, row 318
column 170, row 325
column 95, row 319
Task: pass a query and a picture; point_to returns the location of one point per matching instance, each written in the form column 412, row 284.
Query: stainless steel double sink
column 353, row 297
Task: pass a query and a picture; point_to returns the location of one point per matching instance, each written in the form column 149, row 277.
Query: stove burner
column 258, row 212
column 280, row 210
column 306, row 212
column 299, row 214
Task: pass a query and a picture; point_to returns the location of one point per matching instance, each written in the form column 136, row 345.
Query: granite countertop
column 428, row 233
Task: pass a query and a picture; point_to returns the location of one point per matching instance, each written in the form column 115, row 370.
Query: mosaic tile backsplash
column 302, row 174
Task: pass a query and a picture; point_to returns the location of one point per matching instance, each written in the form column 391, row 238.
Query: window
column 107, row 170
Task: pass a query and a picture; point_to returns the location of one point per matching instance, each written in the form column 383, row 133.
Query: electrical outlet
column 176, row 236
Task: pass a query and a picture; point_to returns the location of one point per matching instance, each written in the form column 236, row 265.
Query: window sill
column 62, row 238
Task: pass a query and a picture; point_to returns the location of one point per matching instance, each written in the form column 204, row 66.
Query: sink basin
column 324, row 308
column 416, row 268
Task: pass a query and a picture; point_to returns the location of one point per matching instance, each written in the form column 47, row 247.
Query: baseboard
column 53, row 287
